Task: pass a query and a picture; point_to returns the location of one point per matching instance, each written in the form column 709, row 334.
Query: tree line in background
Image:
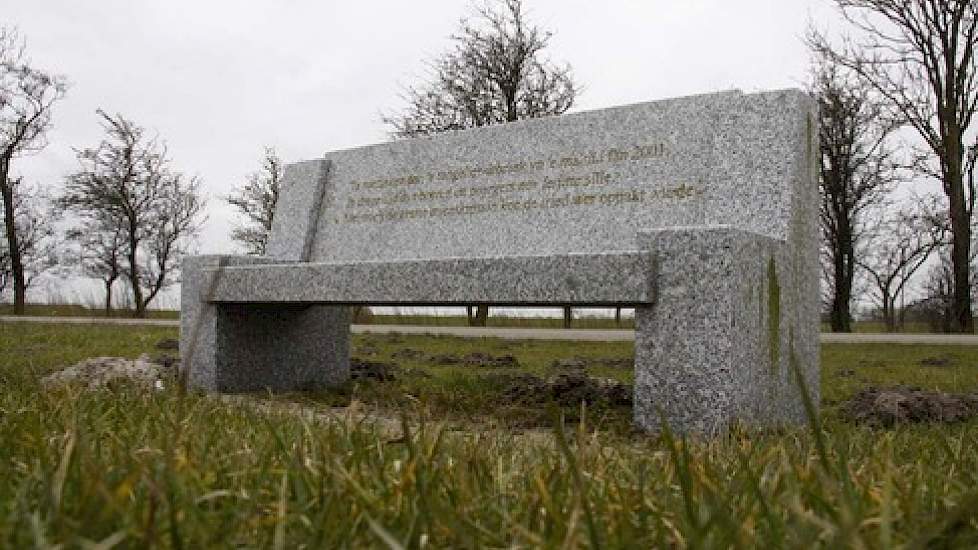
column 896, row 97
column 125, row 214
column 909, row 69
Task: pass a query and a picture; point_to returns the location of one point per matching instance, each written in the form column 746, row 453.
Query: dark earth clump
column 475, row 359
column 168, row 344
column 487, row 360
column 408, row 354
column 565, row 389
column 572, row 388
column 615, row 362
column 885, row 407
column 581, row 363
column 375, row 370
column 936, row 362
column 445, row 359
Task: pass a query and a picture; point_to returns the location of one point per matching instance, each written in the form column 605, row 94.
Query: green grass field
column 74, row 310
column 136, row 468
column 583, row 319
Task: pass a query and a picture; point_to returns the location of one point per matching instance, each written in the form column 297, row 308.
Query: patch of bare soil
column 564, row 389
column 383, row 372
column 877, row 406
column 487, row 360
column 581, row 363
column 361, row 369
column 477, row 359
column 943, row 361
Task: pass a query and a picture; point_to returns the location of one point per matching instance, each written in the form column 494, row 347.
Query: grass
column 74, row 310
column 582, row 319
column 160, row 469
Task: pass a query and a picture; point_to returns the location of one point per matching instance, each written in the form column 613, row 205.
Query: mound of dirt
column 901, row 404
column 487, row 360
column 476, row 359
column 615, row 362
column 445, row 359
column 581, row 363
column 100, row 372
column 564, row 389
column 943, row 361
column 363, row 370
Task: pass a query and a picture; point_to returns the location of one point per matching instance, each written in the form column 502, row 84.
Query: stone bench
column 699, row 212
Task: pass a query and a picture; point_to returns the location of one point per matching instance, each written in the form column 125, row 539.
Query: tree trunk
column 891, row 315
column 618, row 317
column 961, row 318
column 568, row 316
column 902, row 316
column 137, row 291
column 478, row 315
column 843, row 259
column 16, row 263
column 108, row 297
column 887, row 312
column 481, row 316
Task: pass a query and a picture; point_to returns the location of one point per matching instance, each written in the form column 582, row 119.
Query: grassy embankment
column 160, row 469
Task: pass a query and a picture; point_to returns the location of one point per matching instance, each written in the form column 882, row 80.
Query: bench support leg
column 254, row 347
column 731, row 323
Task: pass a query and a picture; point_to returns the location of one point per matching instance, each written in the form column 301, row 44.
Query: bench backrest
column 579, row 183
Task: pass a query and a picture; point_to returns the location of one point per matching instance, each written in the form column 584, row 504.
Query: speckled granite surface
column 700, row 211
column 720, row 342
column 583, row 279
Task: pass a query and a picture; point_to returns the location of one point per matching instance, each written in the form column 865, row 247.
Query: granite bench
column 699, row 212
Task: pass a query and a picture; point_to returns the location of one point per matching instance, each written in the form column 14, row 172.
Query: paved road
column 586, row 335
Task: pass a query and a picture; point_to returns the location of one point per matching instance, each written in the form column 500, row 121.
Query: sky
column 219, row 80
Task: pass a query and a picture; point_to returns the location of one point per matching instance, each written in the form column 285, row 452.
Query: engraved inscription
column 563, row 181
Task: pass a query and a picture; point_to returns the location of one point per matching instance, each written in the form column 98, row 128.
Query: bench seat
column 616, row 279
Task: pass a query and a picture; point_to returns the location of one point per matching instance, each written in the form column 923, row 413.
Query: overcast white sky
column 220, row 79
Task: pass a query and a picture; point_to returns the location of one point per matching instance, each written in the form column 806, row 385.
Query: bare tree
column 100, row 250
column 494, row 73
column 256, row 200
column 857, row 171
column 36, row 240
column 937, row 289
column 920, row 56
column 26, row 98
column 127, row 180
column 902, row 244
